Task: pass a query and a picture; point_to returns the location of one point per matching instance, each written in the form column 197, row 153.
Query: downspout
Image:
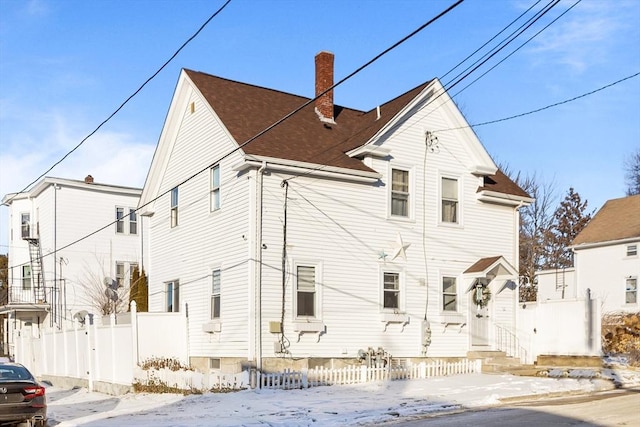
column 258, row 284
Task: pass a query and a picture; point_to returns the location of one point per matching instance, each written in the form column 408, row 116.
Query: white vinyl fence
column 105, row 356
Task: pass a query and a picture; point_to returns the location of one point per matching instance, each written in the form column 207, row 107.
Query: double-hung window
column 119, row 220
column 174, row 207
column 26, row 277
column 172, row 296
column 120, row 274
column 215, row 188
column 399, row 192
column 305, row 291
column 449, row 294
column 25, row 220
column 133, row 221
column 124, row 215
column 215, row 294
column 450, row 201
column 391, row 291
column 631, row 290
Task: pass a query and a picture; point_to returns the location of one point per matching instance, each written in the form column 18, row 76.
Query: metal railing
column 29, row 295
column 508, row 342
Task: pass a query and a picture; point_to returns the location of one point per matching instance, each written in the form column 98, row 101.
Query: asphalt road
column 610, row 408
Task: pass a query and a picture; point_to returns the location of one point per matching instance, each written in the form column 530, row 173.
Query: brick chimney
column 324, row 80
column 88, row 179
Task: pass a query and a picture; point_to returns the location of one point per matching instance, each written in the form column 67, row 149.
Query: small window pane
column 133, row 222
column 450, row 188
column 306, row 295
column 391, row 290
column 449, row 294
column 119, row 221
column 631, row 294
column 399, row 192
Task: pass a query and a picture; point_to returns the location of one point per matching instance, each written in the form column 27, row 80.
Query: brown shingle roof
column 482, row 264
column 246, row 110
column 501, row 183
column 617, row 219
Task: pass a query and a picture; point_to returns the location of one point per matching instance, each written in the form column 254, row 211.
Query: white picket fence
column 292, row 380
column 320, row 376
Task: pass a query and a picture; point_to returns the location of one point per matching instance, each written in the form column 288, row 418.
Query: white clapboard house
column 64, row 246
column 606, row 261
column 334, row 236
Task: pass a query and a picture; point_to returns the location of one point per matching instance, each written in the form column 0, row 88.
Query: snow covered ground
column 364, row 404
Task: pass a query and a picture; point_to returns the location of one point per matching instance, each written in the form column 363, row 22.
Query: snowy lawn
column 321, row 406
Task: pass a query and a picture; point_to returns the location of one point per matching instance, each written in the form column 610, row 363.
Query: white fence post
column 92, row 351
column 112, row 326
column 134, row 333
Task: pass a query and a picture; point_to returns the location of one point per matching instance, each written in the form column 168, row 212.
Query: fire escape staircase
column 37, row 273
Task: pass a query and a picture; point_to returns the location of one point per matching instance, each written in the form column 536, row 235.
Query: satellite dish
column 81, row 316
column 110, row 283
column 111, row 294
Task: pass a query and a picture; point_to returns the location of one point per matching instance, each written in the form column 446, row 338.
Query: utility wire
column 125, row 101
column 543, row 108
column 477, row 64
column 273, row 125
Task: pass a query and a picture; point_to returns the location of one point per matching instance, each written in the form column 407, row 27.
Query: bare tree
column 535, row 222
column 632, row 173
column 103, row 293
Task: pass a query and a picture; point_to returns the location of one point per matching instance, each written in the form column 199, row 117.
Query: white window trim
column 625, row 291
column 460, row 218
column 212, row 188
column 176, row 307
column 459, row 306
column 402, row 290
column 211, row 318
column 318, row 292
column 126, row 221
column 412, row 191
column 175, row 207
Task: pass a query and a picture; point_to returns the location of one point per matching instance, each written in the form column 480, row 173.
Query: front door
column 479, row 320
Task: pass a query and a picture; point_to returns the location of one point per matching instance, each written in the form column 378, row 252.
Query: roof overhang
column 503, row 199
column 371, row 150
column 23, row 308
column 296, row 167
column 605, row 243
column 491, row 267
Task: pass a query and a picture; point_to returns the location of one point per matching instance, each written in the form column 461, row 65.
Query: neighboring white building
column 63, row 242
column 607, row 262
column 336, row 234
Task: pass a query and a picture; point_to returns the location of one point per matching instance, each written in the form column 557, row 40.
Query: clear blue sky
column 65, row 66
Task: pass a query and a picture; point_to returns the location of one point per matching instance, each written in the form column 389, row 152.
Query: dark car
column 22, row 398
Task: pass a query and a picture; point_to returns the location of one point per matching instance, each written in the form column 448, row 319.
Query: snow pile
column 319, row 406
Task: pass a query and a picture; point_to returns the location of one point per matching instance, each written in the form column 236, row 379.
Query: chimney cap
column 88, row 179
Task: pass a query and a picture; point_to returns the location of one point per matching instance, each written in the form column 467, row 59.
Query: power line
column 543, row 108
column 273, row 125
column 125, row 101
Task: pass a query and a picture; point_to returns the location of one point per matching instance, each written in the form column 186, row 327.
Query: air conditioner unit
column 212, row 327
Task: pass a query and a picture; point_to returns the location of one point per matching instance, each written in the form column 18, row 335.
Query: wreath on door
column 483, row 296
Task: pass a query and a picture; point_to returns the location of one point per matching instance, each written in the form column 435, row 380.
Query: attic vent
column 192, row 107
